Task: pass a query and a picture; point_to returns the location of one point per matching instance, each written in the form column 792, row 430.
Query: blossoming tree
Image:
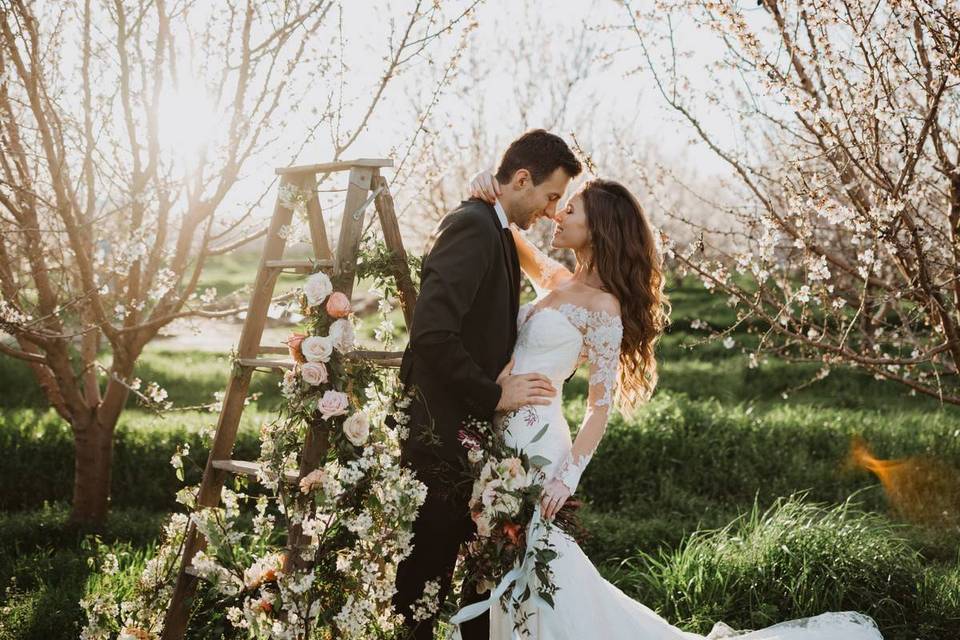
column 125, row 126
column 845, row 195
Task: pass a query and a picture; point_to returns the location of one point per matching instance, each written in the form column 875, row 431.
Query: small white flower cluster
column 426, row 605
column 157, row 395
column 176, row 460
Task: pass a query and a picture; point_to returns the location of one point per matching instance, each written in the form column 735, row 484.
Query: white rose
column 508, row 504
column 357, row 428
column 475, row 455
column 317, row 288
column 313, row 373
column 341, row 332
column 317, row 348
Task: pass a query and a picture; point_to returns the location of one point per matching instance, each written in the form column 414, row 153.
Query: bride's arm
column 603, row 336
column 544, row 272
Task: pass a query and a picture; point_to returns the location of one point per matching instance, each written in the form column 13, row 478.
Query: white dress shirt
column 501, row 214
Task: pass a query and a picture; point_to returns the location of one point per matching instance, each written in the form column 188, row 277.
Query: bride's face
column 571, row 231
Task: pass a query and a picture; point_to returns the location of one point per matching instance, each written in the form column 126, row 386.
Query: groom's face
column 537, row 201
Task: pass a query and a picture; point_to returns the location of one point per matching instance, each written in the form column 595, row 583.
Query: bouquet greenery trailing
column 511, row 552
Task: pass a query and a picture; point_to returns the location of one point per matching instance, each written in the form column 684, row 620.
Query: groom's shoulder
column 471, row 221
column 472, row 211
column 474, row 214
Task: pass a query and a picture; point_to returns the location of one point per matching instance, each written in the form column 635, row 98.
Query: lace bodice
column 554, row 341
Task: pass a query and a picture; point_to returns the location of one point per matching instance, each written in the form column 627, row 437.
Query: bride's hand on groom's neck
column 485, row 186
column 523, row 389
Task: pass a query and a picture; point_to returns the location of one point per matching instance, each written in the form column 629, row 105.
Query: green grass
column 685, row 503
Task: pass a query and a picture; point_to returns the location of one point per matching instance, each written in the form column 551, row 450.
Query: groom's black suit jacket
column 463, row 331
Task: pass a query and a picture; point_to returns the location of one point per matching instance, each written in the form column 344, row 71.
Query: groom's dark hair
column 539, row 152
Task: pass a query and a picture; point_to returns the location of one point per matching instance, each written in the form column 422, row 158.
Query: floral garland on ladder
column 355, row 511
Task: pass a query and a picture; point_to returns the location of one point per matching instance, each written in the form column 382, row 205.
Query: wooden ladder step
column 265, row 348
column 328, row 167
column 299, row 266
column 247, row 468
column 265, row 363
column 379, row 358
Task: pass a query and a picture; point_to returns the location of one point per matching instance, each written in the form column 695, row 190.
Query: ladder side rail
column 394, row 241
column 177, row 616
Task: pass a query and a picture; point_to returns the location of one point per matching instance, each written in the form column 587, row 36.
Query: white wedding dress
column 554, row 341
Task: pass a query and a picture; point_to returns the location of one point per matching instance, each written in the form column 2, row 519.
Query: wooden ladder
column 366, row 185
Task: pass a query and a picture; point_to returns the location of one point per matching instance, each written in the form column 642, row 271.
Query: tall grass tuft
column 794, row 560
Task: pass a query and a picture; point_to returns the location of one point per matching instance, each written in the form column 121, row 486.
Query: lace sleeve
column 544, row 272
column 602, row 338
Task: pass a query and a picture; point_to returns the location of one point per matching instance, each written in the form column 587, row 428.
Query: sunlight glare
column 188, row 122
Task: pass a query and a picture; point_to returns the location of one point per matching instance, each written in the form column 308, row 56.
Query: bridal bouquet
column 511, row 547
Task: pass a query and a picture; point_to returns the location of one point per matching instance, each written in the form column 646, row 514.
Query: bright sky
column 520, row 50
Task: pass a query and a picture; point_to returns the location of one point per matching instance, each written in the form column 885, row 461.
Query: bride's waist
column 531, row 413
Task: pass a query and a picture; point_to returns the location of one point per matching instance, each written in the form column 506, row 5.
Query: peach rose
column 313, row 373
column 512, row 531
column 293, row 345
column 338, row 305
column 333, row 403
column 311, row 481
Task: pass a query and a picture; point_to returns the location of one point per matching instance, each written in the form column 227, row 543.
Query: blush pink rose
column 338, row 305
column 314, row 373
column 333, row 403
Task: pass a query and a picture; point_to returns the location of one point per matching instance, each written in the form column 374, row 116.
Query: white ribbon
column 520, row 577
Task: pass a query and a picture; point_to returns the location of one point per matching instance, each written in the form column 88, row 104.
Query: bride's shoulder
column 604, row 303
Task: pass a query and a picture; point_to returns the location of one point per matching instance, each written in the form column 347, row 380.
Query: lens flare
column 920, row 488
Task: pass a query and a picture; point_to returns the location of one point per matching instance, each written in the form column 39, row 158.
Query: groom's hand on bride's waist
column 525, row 388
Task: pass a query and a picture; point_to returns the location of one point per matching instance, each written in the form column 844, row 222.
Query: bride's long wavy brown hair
column 626, row 258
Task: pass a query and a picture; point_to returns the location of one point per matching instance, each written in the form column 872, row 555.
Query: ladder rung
column 264, row 348
column 336, row 166
column 247, row 468
column 380, row 358
column 299, row 265
column 264, row 363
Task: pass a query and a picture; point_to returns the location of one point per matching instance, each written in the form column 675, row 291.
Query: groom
column 461, row 339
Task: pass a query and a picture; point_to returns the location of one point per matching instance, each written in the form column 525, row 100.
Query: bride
column 608, row 313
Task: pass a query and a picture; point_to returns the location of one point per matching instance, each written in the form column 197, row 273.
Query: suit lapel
column 511, row 262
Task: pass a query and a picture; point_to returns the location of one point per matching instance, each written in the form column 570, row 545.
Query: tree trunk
column 93, row 458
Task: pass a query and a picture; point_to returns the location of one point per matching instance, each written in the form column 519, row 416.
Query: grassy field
column 720, row 499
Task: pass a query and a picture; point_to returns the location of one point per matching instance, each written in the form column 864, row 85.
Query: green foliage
column 37, row 449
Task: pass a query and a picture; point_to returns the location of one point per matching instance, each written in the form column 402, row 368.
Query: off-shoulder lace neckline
column 568, row 306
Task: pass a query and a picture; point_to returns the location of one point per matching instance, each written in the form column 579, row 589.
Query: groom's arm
column 451, row 276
